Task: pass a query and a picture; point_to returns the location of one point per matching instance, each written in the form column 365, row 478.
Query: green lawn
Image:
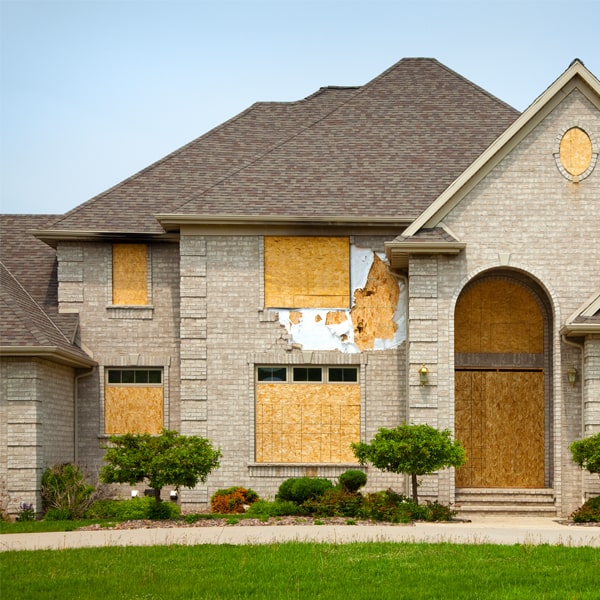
column 371, row 571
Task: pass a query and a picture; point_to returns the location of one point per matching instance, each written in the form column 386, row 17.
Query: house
column 410, row 250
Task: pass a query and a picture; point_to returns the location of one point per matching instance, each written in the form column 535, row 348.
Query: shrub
column 263, row 509
column 586, row 453
column 352, row 480
column 232, row 500
column 589, row 512
column 335, row 502
column 387, row 505
column 301, row 489
column 135, row 509
column 58, row 514
column 64, row 488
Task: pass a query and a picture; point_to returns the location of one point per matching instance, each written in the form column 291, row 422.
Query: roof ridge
column 275, row 146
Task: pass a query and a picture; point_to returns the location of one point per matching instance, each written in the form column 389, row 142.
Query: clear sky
column 94, row 91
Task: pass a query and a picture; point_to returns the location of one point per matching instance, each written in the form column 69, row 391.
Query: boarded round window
column 575, row 151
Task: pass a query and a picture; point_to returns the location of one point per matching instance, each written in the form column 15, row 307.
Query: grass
column 43, row 526
column 292, row 570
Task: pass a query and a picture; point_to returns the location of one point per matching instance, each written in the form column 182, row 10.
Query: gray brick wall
column 229, row 333
column 524, row 216
column 37, row 422
column 120, row 336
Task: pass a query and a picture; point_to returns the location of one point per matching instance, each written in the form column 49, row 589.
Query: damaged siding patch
column 375, row 321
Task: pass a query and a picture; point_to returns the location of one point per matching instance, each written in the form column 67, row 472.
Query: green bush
column 64, row 488
column 58, row 514
column 135, row 509
column 232, row 500
column 263, row 509
column 387, row 505
column 352, row 480
column 589, row 512
column 335, row 502
column 301, row 489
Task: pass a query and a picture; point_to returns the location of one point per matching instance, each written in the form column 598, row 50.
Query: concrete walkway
column 483, row 530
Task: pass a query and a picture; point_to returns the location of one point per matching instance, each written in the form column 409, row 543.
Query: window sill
column 300, row 469
column 130, row 312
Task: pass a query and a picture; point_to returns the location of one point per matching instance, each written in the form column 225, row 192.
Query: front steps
column 504, row 502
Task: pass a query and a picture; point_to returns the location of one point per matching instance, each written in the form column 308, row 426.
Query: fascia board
column 588, row 309
column 580, row 329
column 398, row 253
column 51, row 353
column 563, row 86
column 54, row 236
column 236, row 223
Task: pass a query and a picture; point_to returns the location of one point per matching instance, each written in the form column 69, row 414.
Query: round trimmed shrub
column 352, row 480
column 301, row 489
column 232, row 500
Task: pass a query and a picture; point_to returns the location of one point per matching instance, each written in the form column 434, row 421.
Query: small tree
column 166, row 459
column 586, row 453
column 411, row 449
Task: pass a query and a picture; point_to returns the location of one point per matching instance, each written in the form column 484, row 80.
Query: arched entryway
column 501, row 390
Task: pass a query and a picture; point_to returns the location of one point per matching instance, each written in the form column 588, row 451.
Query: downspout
column 76, row 413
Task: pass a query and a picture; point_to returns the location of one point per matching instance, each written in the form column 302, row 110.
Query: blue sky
column 94, row 91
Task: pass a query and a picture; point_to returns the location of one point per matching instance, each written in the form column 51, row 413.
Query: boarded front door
column 499, row 386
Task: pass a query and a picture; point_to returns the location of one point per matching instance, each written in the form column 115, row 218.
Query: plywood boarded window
column 133, row 401
column 308, row 422
column 307, row 272
column 129, row 274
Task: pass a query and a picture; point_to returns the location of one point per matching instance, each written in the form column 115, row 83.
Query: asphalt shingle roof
column 386, row 149
column 29, row 314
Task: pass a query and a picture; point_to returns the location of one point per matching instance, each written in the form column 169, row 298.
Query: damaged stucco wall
column 375, row 321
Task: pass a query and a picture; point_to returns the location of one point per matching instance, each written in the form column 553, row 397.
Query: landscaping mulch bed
column 233, row 522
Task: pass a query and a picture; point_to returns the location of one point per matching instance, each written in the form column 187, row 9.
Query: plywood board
column 498, row 316
column 129, row 274
column 500, row 420
column 307, row 272
column 299, row 423
column 133, row 409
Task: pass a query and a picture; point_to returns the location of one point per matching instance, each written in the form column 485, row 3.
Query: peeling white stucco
column 308, row 326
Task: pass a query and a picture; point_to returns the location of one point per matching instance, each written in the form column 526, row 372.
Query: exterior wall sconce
column 424, row 375
column 572, row 376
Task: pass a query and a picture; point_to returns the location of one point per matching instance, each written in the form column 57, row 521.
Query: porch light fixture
column 423, row 375
column 572, row 375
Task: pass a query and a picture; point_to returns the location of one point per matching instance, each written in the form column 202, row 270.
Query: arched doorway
column 501, row 322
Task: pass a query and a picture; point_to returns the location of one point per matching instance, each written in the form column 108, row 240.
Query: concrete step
column 500, row 501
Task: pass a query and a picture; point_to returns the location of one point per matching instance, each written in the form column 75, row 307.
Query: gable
column 575, row 80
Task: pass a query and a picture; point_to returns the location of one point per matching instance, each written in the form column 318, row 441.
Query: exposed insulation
column 500, row 421
column 129, row 274
column 374, row 306
column 307, row 272
column 575, row 151
column 133, row 409
column 335, row 317
column 498, row 316
column 307, row 423
column 295, row 317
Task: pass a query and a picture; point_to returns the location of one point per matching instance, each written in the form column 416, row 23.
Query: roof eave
column 51, row 353
column 53, row 237
column 580, row 329
column 398, row 253
column 173, row 222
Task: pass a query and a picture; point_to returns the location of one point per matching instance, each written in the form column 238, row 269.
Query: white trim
column 462, row 185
